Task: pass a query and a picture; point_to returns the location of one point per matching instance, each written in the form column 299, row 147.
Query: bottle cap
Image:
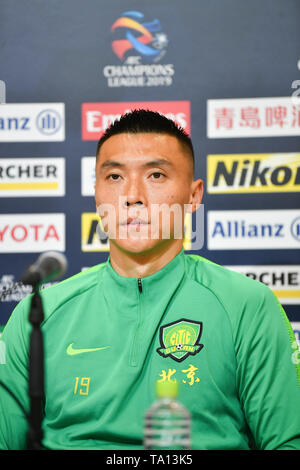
column 167, row 389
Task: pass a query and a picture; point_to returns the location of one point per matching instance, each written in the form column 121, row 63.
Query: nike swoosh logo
column 71, row 351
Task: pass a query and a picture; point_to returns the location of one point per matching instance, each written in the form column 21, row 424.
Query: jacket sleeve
column 14, row 374
column 268, row 374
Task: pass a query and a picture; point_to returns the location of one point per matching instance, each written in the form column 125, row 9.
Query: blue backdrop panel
column 68, row 52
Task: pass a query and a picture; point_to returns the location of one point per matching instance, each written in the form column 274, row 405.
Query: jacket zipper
column 133, row 361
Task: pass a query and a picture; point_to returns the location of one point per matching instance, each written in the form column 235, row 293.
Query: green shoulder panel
column 242, row 296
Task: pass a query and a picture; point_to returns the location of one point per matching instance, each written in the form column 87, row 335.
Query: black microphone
column 49, row 265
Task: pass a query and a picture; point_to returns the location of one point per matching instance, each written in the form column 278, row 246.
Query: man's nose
column 134, row 193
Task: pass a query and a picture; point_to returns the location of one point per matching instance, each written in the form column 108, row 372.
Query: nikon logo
column 253, row 173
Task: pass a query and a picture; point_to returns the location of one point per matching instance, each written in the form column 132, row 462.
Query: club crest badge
column 180, row 339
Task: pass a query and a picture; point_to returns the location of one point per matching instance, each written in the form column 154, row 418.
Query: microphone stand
column 36, row 372
column 49, row 265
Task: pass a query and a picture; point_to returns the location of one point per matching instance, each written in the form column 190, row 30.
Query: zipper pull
column 140, row 285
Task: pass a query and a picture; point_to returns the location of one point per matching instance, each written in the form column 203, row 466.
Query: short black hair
column 144, row 120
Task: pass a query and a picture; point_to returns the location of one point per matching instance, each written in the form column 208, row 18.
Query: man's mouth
column 134, row 222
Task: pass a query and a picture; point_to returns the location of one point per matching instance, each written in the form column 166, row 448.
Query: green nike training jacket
column 108, row 338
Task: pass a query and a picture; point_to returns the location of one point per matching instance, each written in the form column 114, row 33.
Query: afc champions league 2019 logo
column 136, row 37
column 139, row 45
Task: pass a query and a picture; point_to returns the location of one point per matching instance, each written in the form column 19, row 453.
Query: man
column 152, row 312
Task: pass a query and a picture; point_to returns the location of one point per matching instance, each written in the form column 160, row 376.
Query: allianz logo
column 47, row 122
column 242, row 229
column 14, row 123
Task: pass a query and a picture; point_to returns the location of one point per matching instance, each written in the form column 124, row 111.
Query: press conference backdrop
column 227, row 71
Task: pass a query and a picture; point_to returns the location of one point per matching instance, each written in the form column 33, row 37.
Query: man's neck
column 140, row 265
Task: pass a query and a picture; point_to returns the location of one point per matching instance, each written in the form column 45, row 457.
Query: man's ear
column 196, row 195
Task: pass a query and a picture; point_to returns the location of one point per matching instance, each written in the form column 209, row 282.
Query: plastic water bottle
column 167, row 422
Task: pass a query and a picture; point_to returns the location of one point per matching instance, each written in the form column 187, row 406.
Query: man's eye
column 156, row 175
column 113, row 176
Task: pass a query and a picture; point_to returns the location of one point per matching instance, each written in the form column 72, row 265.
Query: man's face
column 143, row 182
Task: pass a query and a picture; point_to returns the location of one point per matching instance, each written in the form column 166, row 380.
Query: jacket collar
column 166, row 278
